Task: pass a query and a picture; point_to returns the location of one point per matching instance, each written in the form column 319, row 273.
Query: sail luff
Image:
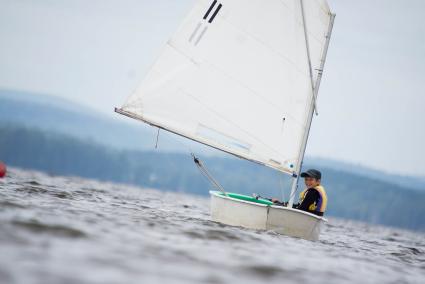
column 312, row 109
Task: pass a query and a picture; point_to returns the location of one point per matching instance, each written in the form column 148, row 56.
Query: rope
column 197, row 161
column 157, row 137
column 206, row 174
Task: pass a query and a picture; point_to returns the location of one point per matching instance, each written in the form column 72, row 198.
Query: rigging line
column 200, row 166
column 308, row 56
column 205, row 173
column 198, row 163
column 157, row 137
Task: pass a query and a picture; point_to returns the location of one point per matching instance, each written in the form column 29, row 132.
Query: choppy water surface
column 72, row 230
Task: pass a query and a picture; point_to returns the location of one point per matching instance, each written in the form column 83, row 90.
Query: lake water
column 73, row 230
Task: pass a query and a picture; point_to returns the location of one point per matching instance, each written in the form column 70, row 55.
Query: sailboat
column 242, row 76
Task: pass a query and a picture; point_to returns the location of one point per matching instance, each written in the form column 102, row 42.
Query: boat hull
column 283, row 220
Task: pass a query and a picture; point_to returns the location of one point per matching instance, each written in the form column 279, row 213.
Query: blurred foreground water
column 73, row 230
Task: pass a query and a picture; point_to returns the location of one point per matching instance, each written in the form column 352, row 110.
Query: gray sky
column 95, row 52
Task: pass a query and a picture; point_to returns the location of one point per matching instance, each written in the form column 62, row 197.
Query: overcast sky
column 371, row 101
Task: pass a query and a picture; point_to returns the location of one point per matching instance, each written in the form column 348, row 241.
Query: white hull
column 283, row 220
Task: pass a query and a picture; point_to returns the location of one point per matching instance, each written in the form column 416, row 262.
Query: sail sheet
column 236, row 76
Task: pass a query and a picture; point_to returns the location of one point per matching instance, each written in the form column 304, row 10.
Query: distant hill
column 50, row 113
column 401, row 180
column 350, row 195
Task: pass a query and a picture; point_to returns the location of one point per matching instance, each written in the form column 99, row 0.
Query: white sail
column 236, row 76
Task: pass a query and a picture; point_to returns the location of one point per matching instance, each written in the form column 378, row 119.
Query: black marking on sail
column 210, row 9
column 195, row 37
column 215, row 13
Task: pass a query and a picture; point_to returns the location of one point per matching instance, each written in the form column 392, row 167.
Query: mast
column 312, row 105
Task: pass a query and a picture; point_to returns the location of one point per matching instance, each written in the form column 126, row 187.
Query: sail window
column 225, row 140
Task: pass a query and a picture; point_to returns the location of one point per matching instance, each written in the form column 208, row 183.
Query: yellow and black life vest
column 321, row 204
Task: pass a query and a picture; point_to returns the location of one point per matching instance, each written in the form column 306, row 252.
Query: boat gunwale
column 215, row 193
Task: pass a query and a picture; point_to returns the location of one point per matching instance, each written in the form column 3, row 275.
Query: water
column 73, row 230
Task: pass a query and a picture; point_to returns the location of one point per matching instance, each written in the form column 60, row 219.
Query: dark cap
column 312, row 173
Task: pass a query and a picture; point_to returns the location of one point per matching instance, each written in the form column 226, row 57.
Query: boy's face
column 311, row 182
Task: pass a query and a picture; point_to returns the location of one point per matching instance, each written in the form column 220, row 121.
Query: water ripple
column 71, row 230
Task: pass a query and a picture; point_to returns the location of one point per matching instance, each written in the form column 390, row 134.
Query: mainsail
column 239, row 75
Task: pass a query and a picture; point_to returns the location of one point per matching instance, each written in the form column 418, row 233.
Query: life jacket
column 321, row 204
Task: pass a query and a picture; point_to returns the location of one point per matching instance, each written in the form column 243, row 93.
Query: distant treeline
column 350, row 196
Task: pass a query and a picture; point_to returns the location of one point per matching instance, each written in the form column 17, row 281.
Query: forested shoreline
column 350, row 196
